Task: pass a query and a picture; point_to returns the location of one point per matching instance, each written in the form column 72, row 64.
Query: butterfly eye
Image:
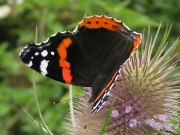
column 132, row 36
column 124, row 31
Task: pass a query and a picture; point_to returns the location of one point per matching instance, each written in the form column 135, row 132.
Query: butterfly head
column 134, row 36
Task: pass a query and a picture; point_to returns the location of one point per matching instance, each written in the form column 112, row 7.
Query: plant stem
column 71, row 105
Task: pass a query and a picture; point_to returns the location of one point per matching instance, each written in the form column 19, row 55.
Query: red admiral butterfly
column 91, row 56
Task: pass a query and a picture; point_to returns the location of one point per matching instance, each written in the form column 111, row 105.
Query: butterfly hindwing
column 106, row 51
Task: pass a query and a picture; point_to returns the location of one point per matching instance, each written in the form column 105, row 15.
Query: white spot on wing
column 38, row 43
column 20, row 52
column 54, row 34
column 120, row 70
column 116, row 77
column 108, row 92
column 36, row 53
column 96, row 105
column 111, row 86
column 43, row 67
column 23, row 50
column 30, row 64
column 52, row 53
column 25, row 47
column 105, row 94
column 44, row 53
column 63, row 32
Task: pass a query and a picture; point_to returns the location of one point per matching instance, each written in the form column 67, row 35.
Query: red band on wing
column 63, row 63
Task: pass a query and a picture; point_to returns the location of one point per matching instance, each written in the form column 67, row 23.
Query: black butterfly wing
column 107, row 49
column 58, row 58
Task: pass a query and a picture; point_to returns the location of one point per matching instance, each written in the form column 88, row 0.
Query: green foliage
column 107, row 119
column 50, row 16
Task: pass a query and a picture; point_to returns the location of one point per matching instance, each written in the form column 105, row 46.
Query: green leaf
column 107, row 119
column 5, row 109
column 131, row 17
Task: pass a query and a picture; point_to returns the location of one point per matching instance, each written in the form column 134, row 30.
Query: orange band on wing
column 62, row 51
column 101, row 22
column 67, row 75
column 67, row 42
column 63, row 63
column 104, row 89
column 137, row 42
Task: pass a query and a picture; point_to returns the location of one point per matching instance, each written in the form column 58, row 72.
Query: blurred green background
column 18, row 19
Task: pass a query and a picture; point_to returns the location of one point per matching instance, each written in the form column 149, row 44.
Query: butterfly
column 91, row 56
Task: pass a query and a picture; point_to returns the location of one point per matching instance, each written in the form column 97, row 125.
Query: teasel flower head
column 144, row 98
